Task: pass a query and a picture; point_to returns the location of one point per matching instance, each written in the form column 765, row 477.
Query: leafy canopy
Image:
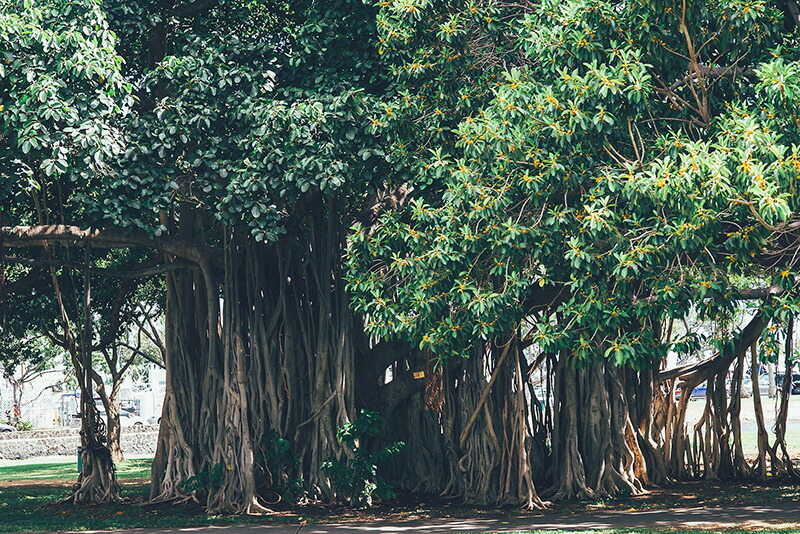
column 618, row 168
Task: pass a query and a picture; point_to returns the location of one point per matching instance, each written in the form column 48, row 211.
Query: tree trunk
column 300, row 374
column 182, row 454
column 708, row 453
column 111, row 405
column 423, row 464
column 740, row 465
column 233, row 448
column 569, row 474
column 763, row 439
column 487, row 430
column 644, row 406
column 784, row 466
column 114, row 425
column 97, row 481
column 279, row 366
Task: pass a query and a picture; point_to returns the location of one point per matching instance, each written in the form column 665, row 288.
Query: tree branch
column 720, row 360
column 140, row 272
column 712, row 72
column 756, row 293
column 138, row 352
column 379, row 202
column 37, row 236
column 151, row 333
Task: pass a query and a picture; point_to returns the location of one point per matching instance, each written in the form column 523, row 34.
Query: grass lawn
column 658, row 531
column 30, row 491
column 30, row 508
column 750, row 443
column 68, row 470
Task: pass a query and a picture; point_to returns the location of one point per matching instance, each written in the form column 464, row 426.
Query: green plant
column 277, row 462
column 357, row 478
column 206, row 479
column 23, row 425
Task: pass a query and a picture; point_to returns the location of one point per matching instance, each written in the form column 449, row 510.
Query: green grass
column 750, row 442
column 68, row 470
column 30, row 509
column 28, row 491
column 657, row 531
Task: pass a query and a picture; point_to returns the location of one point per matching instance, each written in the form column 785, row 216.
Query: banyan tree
column 489, row 223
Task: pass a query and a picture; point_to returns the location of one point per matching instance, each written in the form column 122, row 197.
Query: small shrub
column 23, row 425
column 357, row 478
column 276, row 462
column 205, row 480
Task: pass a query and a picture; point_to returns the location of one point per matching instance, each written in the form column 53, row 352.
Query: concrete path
column 767, row 516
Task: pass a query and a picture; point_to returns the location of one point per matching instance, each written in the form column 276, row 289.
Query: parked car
column 795, row 388
column 699, row 392
column 7, row 428
column 127, row 418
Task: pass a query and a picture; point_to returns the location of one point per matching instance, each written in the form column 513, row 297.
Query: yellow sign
column 419, row 374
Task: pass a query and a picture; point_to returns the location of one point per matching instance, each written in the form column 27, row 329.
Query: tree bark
column 97, row 481
column 569, row 473
column 763, row 439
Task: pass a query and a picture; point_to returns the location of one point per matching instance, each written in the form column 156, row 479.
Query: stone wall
column 64, row 442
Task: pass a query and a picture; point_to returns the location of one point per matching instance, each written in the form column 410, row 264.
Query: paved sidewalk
column 787, row 514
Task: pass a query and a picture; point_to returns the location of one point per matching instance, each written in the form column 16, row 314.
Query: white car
column 7, row 428
column 127, row 418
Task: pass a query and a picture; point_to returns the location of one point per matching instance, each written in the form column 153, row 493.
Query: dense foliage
column 601, row 180
column 510, row 190
column 61, row 88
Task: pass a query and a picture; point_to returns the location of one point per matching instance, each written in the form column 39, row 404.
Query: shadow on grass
column 657, row 531
column 29, row 493
column 31, row 508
